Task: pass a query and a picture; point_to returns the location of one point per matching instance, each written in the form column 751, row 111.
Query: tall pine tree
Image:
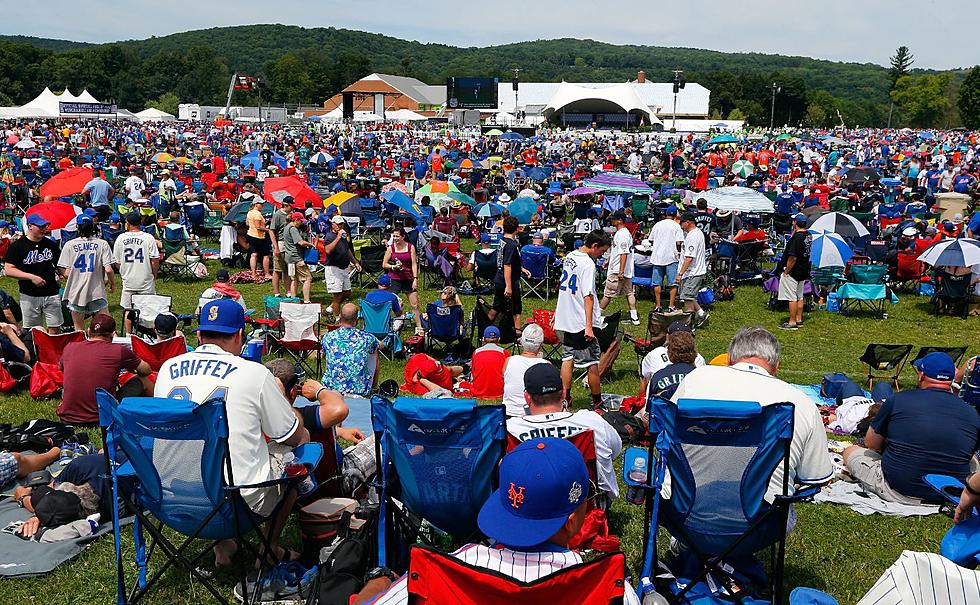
column 900, row 64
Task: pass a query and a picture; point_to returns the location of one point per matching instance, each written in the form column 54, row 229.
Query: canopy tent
column 741, row 199
column 46, row 105
column 153, row 114
column 276, row 189
column 404, row 115
column 621, row 98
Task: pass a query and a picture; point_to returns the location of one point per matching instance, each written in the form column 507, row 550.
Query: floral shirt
column 347, row 354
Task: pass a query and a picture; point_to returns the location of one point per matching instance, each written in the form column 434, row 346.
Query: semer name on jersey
column 83, row 246
column 201, row 367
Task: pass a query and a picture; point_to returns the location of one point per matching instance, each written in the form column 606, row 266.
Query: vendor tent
column 404, row 115
column 153, row 114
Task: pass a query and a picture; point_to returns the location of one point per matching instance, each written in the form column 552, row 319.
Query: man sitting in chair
column 540, row 506
column 256, row 409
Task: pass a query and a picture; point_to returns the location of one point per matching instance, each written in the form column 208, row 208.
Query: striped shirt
column 919, row 578
column 520, row 565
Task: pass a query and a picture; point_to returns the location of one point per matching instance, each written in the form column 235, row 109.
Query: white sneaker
column 633, row 321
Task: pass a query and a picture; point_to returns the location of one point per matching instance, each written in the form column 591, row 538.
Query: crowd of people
column 586, row 246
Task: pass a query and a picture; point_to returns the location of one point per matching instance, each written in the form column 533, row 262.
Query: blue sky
column 939, row 34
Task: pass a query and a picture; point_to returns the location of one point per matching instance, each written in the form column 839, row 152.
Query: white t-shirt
column 657, row 359
column 135, row 187
column 608, row 443
column 168, row 189
column 134, row 250
column 514, row 370
column 255, row 407
column 809, row 459
column 663, row 242
column 577, row 281
column 694, row 247
column 622, row 243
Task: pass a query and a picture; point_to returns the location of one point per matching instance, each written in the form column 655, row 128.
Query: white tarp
column 404, row 115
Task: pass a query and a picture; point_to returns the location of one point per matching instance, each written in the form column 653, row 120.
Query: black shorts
column 103, row 212
column 507, row 306
column 261, row 246
column 402, row 285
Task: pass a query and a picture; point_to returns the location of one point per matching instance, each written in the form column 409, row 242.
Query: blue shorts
column 662, row 271
column 8, row 468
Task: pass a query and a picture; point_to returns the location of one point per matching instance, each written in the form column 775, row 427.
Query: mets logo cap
column 542, row 481
column 224, row 316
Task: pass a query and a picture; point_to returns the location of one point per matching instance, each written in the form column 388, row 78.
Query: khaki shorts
column 617, row 285
column 789, row 288
column 865, row 466
column 300, row 271
column 263, row 500
column 690, row 286
column 279, row 262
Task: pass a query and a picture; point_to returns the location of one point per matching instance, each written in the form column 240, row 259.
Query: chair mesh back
column 536, row 263
column 444, row 322
column 486, row 264
column 149, row 306
column 717, row 473
column 377, row 317
column 883, row 357
column 300, row 320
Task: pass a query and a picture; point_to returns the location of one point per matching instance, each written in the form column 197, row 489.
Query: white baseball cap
column 338, row 220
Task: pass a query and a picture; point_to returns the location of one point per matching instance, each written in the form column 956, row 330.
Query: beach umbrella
column 494, row 132
column 743, row 168
column 394, row 185
column 829, row 250
column 59, row 214
column 740, row 199
column 252, row 160
column 538, row 174
column 584, row 191
column 512, row 136
column 238, row 212
column 403, row 202
column 722, row 139
column 67, row 182
column 784, row 137
column 927, row 135
column 842, row 224
column 617, row 181
column 276, row 189
column 523, row 208
column 183, row 160
column 162, row 158
column 25, row 144
column 860, row 176
column 321, row 158
column 466, row 163
column 338, row 199
column 964, row 252
column 462, row 198
column 891, row 182
column 489, row 210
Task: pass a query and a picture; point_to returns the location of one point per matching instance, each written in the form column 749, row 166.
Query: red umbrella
column 58, row 214
column 12, row 139
column 67, row 182
column 278, row 188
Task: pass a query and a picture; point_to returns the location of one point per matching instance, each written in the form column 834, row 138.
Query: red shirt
column 431, row 370
column 488, row 372
column 218, row 164
column 90, row 365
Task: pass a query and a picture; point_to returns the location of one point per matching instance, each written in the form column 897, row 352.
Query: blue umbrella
column 538, row 174
column 321, row 158
column 255, row 161
column 489, row 210
column 829, row 250
column 964, row 252
column 512, row 136
column 723, row 138
column 927, row 135
column 523, row 208
column 403, row 202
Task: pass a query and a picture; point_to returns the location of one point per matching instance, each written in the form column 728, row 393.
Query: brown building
column 399, row 93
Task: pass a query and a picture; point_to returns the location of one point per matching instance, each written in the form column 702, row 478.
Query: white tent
column 366, row 116
column 404, row 115
column 86, row 97
column 153, row 114
column 612, row 99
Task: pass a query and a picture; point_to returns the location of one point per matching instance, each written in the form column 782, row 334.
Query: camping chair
column 956, row 353
column 155, row 353
column 642, row 275
column 301, row 335
column 145, row 309
column 909, row 271
column 480, row 320
column 970, row 388
column 866, row 288
column 656, row 334
column 379, row 321
column 484, row 271
column 173, row 456
column 47, row 376
column 551, row 347
column 176, row 262
column 444, row 333
column 539, row 283
column 885, row 358
column 109, row 233
column 721, row 456
column 435, row 578
column 213, row 222
column 437, row 457
column 951, row 291
column 826, row 279
column 371, row 264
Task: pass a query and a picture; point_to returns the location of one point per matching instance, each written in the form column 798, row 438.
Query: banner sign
column 93, row 108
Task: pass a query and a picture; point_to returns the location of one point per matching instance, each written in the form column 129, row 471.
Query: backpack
column 341, row 576
column 37, row 435
column 724, row 289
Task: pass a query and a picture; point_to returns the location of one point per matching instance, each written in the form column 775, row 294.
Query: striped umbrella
column 840, row 223
column 743, row 168
column 162, row 158
column 321, row 158
column 829, row 250
column 617, row 181
column 964, row 252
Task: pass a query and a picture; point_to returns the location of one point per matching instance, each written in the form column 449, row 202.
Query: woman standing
column 402, row 264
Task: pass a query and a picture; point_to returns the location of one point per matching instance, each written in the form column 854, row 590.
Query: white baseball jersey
column 86, row 260
column 256, row 408
column 694, row 247
column 577, row 281
column 622, row 243
column 134, row 250
column 520, row 565
column 657, row 359
column 560, row 425
column 919, row 577
column 135, row 187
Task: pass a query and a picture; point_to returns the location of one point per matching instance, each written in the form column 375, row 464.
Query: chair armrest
column 308, row 454
column 803, row 493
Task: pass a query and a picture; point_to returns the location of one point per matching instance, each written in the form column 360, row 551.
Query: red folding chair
column 435, row 578
column 47, row 376
column 545, row 318
column 155, row 353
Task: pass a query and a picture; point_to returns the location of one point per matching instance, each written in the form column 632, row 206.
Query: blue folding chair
column 437, row 457
column 539, row 266
column 379, row 322
column 443, row 329
column 169, row 458
column 109, row 233
column 721, row 456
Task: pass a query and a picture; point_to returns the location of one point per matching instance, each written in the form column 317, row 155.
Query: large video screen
column 471, row 93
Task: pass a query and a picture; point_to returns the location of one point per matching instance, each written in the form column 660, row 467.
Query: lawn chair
column 956, row 353
column 437, row 457
column 173, row 456
column 480, row 320
column 379, row 322
column 539, row 265
column 721, row 456
column 866, row 288
column 144, row 313
column 909, row 271
column 301, row 335
column 177, row 262
column 371, row 264
column 444, row 333
column 155, row 353
column 551, row 347
column 110, row 234
column 47, row 377
column 970, row 388
column 656, row 334
column 435, row 578
column 952, row 291
column 885, row 358
column 826, row 279
column 642, row 277
column 484, row 271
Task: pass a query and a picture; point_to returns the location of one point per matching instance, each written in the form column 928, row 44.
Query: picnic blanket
column 863, row 502
column 22, row 558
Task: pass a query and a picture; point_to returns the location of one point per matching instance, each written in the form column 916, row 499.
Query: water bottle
column 638, row 473
column 304, row 486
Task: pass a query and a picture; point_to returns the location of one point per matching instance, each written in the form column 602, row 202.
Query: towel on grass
column 860, row 501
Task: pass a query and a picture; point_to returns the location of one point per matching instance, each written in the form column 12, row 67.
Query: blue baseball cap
column 484, row 238
column 37, row 220
column 800, row 218
column 491, row 332
column 672, row 209
column 542, row 482
column 384, row 280
column 937, row 365
column 89, row 212
column 224, row 316
column 83, row 219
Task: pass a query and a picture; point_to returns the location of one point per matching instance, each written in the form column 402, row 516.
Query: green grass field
column 832, row 549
